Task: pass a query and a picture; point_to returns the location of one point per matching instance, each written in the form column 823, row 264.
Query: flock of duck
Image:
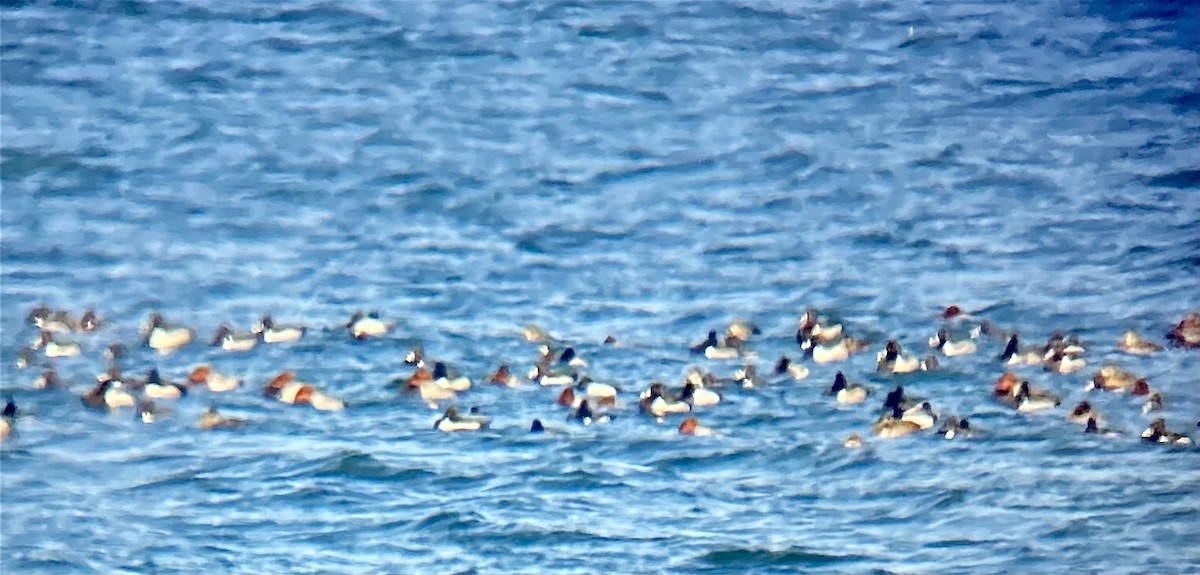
column 591, row 402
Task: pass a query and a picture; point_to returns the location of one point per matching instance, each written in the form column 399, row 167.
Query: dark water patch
column 626, row 29
column 760, row 560
column 359, row 465
column 621, row 92
column 449, row 521
column 205, row 77
column 1183, row 179
column 947, row 157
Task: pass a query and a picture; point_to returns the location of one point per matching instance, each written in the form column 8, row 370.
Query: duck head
column 276, row 385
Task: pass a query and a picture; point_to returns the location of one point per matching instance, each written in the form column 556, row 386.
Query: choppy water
column 647, row 170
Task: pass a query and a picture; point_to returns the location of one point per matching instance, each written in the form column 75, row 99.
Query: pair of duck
column 732, row 346
column 1022, row 396
column 59, row 321
column 285, row 388
column 893, row 360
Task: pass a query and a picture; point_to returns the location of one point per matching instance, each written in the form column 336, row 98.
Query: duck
column 691, row 426
column 853, row 441
column 1153, row 403
column 160, row 336
column 541, row 375
column 838, row 352
column 604, row 392
column 742, row 330
column 942, row 343
column 1013, row 354
column 1061, row 359
column 893, row 426
column 210, row 420
column 812, row 332
column 1093, row 426
column 696, row 396
column 270, row 332
column 953, row 427
column 535, row 334
column 1082, row 412
column 205, row 375
column 362, row 325
column 657, row 404
column 53, row 321
column 568, row 398
column 415, row 355
column 1187, row 333
column 893, row 360
column 157, row 388
column 1112, row 378
column 714, row 349
column 1158, row 433
column 286, row 389
column 108, row 393
column 897, row 400
column 148, row 412
column 1133, row 343
column 922, row 415
column 1028, row 402
column 568, row 357
column 1060, row 343
column 49, row 378
column 53, row 347
column 441, row 377
column 10, row 408
column 504, row 376
column 583, row 414
column 90, row 321
column 537, row 427
column 748, row 377
column 797, row 371
column 227, row 340
column 848, row 392
column 451, row 421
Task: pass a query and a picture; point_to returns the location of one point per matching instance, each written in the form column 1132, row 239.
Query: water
column 646, row 170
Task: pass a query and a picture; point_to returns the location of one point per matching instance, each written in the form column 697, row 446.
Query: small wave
column 621, row 92
column 359, row 465
column 448, row 521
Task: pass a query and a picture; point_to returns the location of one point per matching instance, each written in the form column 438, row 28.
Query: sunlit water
column 645, row 170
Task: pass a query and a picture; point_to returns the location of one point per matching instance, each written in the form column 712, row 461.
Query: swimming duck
column 148, row 412
column 1154, row 403
column 853, row 441
column 10, row 407
column 1112, row 378
column 90, row 321
column 1158, row 433
column 786, row 365
column 942, row 343
column 922, row 415
column 696, row 396
column 657, row 404
column 537, row 427
column 286, row 389
column 271, row 332
column 1061, row 360
column 160, row 336
column 155, row 387
column 362, row 326
column 714, row 349
column 953, row 427
column 504, row 377
column 210, row 419
column 47, row 379
column 742, row 330
column 109, row 393
column 1187, row 333
column 897, row 400
column 568, row 398
column 1083, row 411
column 691, row 426
column 542, row 375
column 441, row 377
column 583, row 414
column 415, row 355
column 568, row 357
column 227, row 340
column 812, row 332
column 597, row 390
column 892, row 426
column 1133, row 343
column 52, row 321
column 1028, row 402
column 1013, row 354
column 838, row 352
column 848, row 392
column 535, row 334
column 204, row 375
column 748, row 377
column 452, row 421
column 1060, row 343
column 54, row 348
column 893, row 360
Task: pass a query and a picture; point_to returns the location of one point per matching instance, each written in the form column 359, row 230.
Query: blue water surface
column 649, row 170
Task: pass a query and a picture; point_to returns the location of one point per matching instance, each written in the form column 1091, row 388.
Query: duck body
column 797, row 371
column 691, row 426
column 837, row 352
column 210, row 419
column 227, row 340
column 270, row 332
column 205, row 375
column 942, row 343
column 1187, row 333
column 451, row 422
column 1133, row 343
column 362, row 326
column 848, row 392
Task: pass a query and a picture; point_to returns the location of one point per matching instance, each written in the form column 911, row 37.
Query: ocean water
column 647, row 170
